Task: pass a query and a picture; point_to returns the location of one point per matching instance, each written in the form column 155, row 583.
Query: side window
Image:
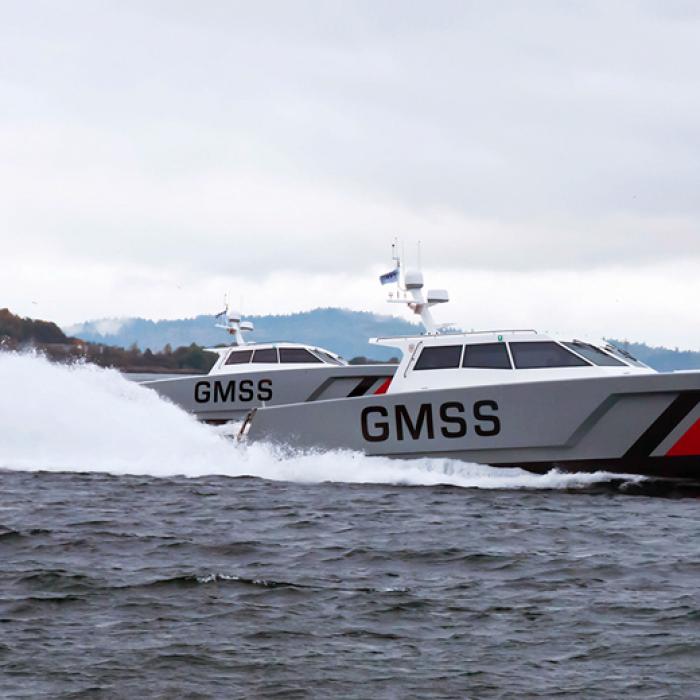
column 290, row 355
column 486, row 356
column 265, row 355
column 440, row 357
column 594, row 354
column 541, row 354
column 239, row 357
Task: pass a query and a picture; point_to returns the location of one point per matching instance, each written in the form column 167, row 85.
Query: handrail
column 412, row 359
column 458, row 333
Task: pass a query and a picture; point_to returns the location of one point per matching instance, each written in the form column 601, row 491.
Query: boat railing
column 504, row 330
column 422, row 336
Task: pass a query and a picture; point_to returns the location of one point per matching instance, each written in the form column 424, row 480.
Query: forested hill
column 340, row 330
column 17, row 333
column 26, row 330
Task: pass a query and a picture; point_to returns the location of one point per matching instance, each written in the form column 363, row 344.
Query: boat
column 505, row 398
column 248, row 375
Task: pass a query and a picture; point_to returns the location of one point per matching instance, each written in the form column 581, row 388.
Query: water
column 145, row 555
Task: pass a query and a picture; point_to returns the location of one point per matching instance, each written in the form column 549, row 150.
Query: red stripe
column 382, row 389
column 689, row 444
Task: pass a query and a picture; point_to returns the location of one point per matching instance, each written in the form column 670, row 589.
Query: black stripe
column 362, row 387
column 661, row 428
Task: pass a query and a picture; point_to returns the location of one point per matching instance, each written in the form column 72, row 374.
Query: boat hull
column 638, row 424
column 219, row 398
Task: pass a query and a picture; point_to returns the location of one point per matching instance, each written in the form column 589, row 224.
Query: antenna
column 396, row 258
column 403, row 257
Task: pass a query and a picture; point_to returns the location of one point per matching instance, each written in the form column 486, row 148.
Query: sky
column 155, row 155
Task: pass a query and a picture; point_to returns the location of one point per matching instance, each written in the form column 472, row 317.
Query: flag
column 390, row 277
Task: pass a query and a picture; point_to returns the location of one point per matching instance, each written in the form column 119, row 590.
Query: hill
column 17, row 333
column 27, row 330
column 340, row 330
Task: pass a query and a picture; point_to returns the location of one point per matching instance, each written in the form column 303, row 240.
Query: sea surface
column 144, row 555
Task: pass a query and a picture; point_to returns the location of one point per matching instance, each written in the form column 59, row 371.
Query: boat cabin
column 501, row 357
column 271, row 356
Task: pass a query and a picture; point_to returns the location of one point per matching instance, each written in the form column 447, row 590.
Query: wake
column 87, row 419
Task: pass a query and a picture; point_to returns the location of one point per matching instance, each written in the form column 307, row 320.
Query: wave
column 85, row 418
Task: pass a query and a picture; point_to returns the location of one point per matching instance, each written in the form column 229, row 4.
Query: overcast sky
column 154, row 155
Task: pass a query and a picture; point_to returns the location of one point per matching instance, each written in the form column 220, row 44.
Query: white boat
column 250, row 375
column 506, row 398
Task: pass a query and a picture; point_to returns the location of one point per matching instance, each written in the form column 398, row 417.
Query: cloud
column 147, row 148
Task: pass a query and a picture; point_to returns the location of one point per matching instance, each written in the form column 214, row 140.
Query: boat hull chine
column 661, row 467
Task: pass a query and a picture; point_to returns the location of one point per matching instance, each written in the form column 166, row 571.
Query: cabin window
column 290, row 355
column 544, row 354
column 486, row 356
column 439, row 357
column 265, row 355
column 329, row 359
column 594, row 354
column 239, row 357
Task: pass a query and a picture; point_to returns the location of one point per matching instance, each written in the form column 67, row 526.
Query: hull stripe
column 689, row 444
column 363, row 386
column 662, row 427
column 383, row 388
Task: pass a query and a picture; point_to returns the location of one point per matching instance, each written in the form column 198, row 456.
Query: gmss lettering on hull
column 379, row 422
column 224, row 392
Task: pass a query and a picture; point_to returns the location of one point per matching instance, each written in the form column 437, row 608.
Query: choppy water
column 143, row 555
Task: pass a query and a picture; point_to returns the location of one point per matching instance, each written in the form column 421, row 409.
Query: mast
column 409, row 291
column 234, row 325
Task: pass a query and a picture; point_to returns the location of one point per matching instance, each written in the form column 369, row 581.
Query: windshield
column 594, row 354
column 630, row 359
column 329, row 359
